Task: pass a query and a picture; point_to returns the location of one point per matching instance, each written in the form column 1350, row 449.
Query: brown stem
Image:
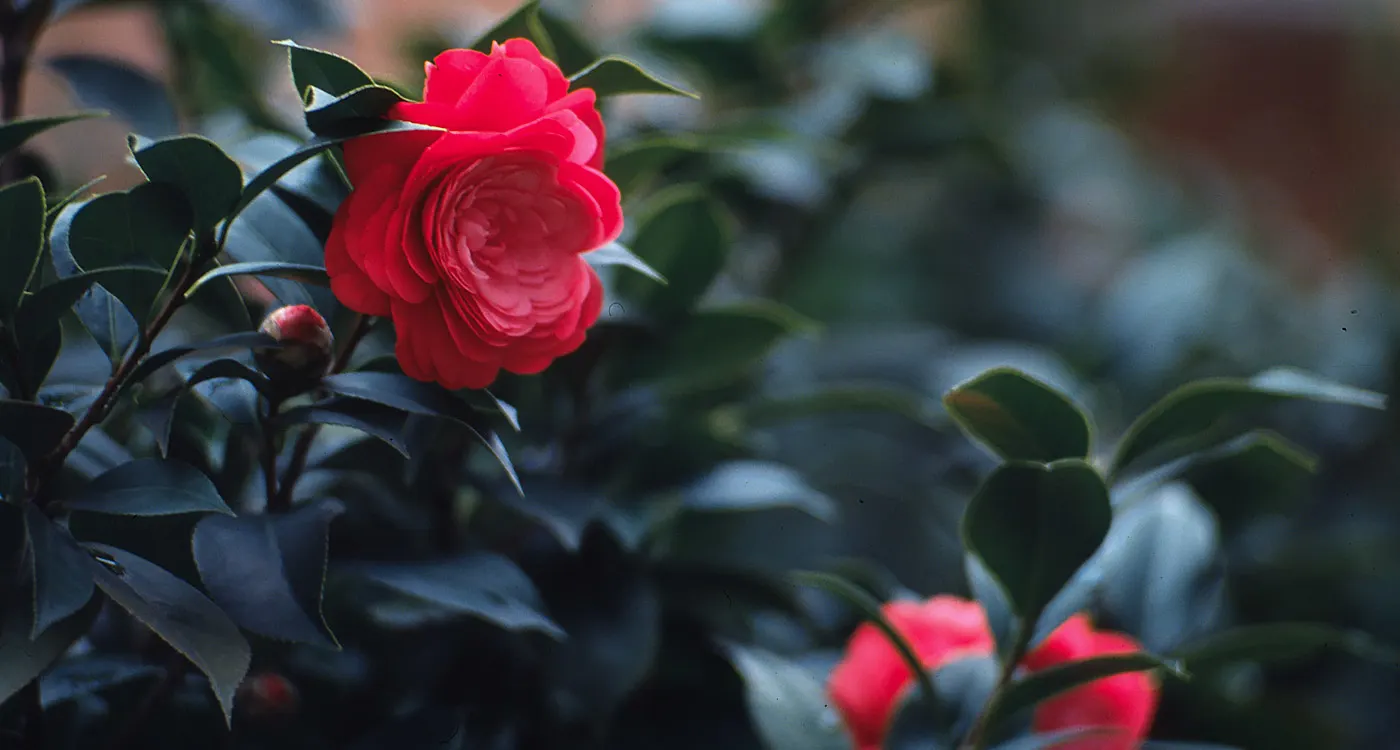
column 106, row 399
column 302, row 449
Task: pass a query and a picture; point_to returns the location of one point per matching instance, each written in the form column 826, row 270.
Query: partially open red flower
column 470, row 237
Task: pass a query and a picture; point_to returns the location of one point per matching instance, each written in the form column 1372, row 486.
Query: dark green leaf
column 102, row 314
column 14, row 133
column 21, row 240
column 36, row 430
column 269, row 231
column 615, row 75
column 62, row 577
column 1019, row 417
column 523, row 22
column 43, row 310
column 79, row 193
column 684, row 236
column 147, row 225
column 1259, row 473
column 787, row 702
column 304, row 273
column 922, row 721
column 128, row 93
column 756, row 485
column 633, row 165
column 571, row 50
column 332, row 116
column 150, row 487
column 481, row 584
column 21, row 658
column 377, row 420
column 871, row 611
column 1280, row 642
column 1033, row 526
column 614, row 254
column 1194, row 409
column 12, row 471
column 413, row 397
column 180, row 615
column 1036, row 687
column 245, row 340
column 316, row 181
column 1076, row 596
column 326, row 71
column 267, row 571
column 719, row 344
column 160, row 415
column 76, row 678
column 1163, row 574
column 487, row 402
column 210, row 181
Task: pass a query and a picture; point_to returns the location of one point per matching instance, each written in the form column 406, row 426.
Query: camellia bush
column 431, row 431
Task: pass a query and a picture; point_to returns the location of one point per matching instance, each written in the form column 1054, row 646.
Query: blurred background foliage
column 1113, row 197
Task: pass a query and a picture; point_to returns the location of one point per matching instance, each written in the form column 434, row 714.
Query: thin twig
column 301, row 451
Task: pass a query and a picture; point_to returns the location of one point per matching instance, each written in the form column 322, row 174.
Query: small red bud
column 268, row 695
column 306, row 346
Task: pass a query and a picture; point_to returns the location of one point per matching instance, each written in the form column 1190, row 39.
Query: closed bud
column 306, row 342
column 268, row 695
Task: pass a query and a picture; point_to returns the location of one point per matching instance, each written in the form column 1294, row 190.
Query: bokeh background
column 1115, row 197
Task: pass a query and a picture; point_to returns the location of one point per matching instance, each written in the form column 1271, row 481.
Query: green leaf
column 267, row 571
column 62, row 577
column 1280, row 642
column 1261, row 472
column 12, row 472
column 337, row 115
column 209, row 180
column 43, row 310
column 873, row 613
column 614, row 254
column 571, row 50
column 21, row 240
column 102, row 314
column 326, row 71
column 1189, row 412
column 269, row 231
column 719, row 344
column 524, row 21
column 147, row 225
column 1039, row 686
column 180, row 615
column 740, row 486
column 36, row 430
column 787, row 702
column 1019, row 417
column 161, row 414
column 376, row 420
column 302, row 272
column 130, row 94
column 14, row 133
column 615, row 75
column 480, row 584
column 246, row 340
column 77, row 194
column 633, row 165
column 685, row 237
column 408, row 395
column 22, row 658
column 150, row 487
column 921, row 721
column 91, row 675
column 1033, row 526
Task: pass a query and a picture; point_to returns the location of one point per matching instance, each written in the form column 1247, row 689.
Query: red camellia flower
column 867, row 683
column 470, row 236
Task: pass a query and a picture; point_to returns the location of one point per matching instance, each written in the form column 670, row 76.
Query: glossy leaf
column 614, row 254
column 15, row 133
column 376, row 420
column 572, row 51
column 161, row 414
column 740, row 486
column 1077, row 596
column 963, row 687
column 21, row 240
column 101, row 313
column 326, row 71
column 147, row 225
column 130, row 94
column 180, row 615
column 75, row 678
column 1280, row 642
column 335, row 115
column 62, row 578
column 1039, row 686
column 615, row 75
column 1033, row 526
column 722, row 343
column 481, row 584
column 685, row 237
column 634, row 165
column 1196, row 408
column 150, row 487
column 1019, row 417
column 245, row 340
column 524, row 21
column 266, row 571
column 78, row 194
column 43, row 310
column 269, row 231
column 35, row 430
column 209, row 180
column 787, row 702
column 304, row 273
column 22, row 659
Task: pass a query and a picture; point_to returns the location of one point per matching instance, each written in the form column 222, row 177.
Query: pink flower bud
column 306, row 345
